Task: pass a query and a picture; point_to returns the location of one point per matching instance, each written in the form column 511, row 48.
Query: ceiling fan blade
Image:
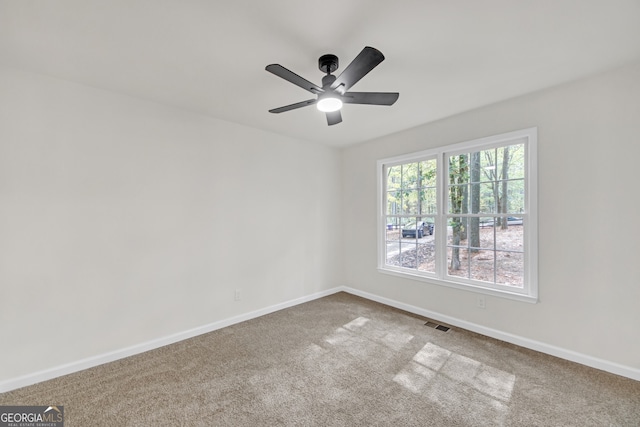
column 366, row 61
column 292, row 77
column 334, row 117
column 294, row 106
column 373, row 98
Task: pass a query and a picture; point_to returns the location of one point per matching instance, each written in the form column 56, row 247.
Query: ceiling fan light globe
column 329, row 104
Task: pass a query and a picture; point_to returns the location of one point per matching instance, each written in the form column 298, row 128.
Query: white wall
column 124, row 221
column 589, row 205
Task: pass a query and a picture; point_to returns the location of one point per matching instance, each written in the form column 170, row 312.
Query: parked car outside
column 514, row 221
column 420, row 228
column 428, row 228
column 510, row 221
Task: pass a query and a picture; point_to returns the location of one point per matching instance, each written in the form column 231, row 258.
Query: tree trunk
column 474, row 223
column 455, row 251
column 503, row 196
column 458, row 174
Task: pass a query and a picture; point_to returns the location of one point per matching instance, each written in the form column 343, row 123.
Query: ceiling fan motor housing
column 328, row 63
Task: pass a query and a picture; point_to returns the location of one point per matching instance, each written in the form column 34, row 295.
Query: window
column 463, row 215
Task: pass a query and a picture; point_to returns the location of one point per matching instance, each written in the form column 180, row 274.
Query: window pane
column 404, row 221
column 392, row 229
column 515, row 196
column 408, row 258
column 512, row 237
column 510, row 268
column 394, row 177
column 486, row 234
column 392, row 251
column 458, row 189
column 459, row 169
column 395, row 245
column 476, row 236
column 482, row 266
column 457, row 231
column 510, row 161
column 394, row 205
column 392, row 240
column 488, row 198
column 429, row 225
column 474, row 198
column 410, row 202
column 458, row 262
column 395, row 222
column 417, row 228
column 428, row 173
column 428, row 201
column 427, row 258
column 487, row 221
column 475, row 167
column 502, row 162
column 409, row 176
column 488, row 166
column 516, row 162
column 458, row 199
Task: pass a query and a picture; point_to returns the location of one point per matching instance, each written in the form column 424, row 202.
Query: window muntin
column 475, row 203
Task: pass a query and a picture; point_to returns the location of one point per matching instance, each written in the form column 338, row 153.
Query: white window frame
column 529, row 292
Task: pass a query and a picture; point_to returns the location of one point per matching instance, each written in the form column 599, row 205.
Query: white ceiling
column 208, row 56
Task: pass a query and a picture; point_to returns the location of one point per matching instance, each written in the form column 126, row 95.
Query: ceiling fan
column 334, row 90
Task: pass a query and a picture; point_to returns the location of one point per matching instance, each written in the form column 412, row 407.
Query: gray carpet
column 339, row 361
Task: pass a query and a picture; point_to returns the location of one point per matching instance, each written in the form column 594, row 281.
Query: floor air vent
column 436, row 326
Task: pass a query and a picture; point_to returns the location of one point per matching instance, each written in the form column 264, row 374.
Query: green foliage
column 411, row 188
column 487, row 182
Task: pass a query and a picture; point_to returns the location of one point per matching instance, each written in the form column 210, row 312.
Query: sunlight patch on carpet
column 454, row 382
column 378, row 332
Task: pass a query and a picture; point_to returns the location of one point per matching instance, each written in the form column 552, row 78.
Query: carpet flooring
column 339, row 361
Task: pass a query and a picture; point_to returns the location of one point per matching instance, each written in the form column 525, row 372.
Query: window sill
column 469, row 288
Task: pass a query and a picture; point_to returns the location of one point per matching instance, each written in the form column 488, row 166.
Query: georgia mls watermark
column 31, row 416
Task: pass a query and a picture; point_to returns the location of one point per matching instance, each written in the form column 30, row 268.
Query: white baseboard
column 594, row 362
column 90, row 362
